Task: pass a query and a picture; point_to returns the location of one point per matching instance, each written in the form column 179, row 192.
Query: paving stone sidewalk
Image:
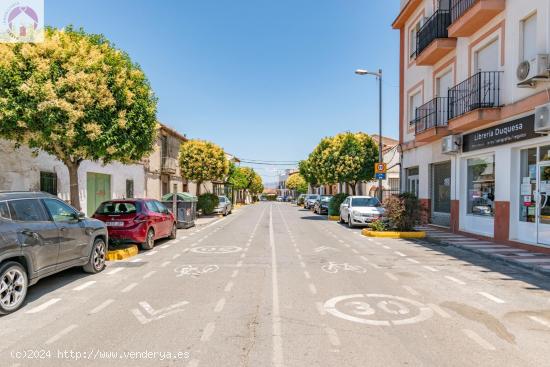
column 535, row 261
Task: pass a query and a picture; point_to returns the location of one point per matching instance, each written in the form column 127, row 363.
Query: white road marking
column 391, row 276
column 347, row 245
column 312, row 288
column 430, row 268
column 297, row 250
column 208, row 331
column 299, row 257
column 84, row 285
column 234, row 274
column 333, row 337
column 370, row 240
column 61, row 334
column 44, row 305
column 150, row 253
column 321, row 308
column 148, row 275
column 138, row 260
column 341, row 241
column 354, row 251
column 364, row 258
column 243, row 255
column 239, row 264
column 101, row 306
column 411, row 290
column 413, row 261
column 540, row 321
column 306, row 274
column 478, row 339
column 129, row 288
column 176, row 256
column 439, row 310
column 219, row 305
column 302, row 264
column 453, row 279
column 228, row 287
column 491, row 297
column 114, row 271
column 375, row 266
column 278, row 360
column 164, row 264
column 387, row 247
column 400, row 254
column 164, row 246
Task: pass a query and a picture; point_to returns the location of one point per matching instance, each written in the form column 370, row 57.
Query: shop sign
column 507, row 133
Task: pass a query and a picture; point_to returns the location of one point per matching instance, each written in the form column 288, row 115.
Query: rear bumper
column 136, row 234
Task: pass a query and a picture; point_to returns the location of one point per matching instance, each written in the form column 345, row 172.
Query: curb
column 417, row 235
column 501, row 260
column 123, row 253
column 333, row 218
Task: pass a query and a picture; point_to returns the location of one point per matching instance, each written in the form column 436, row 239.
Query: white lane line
column 312, row 288
column 413, row 261
column 234, row 274
column 44, row 305
column 297, row 250
column 411, row 290
column 164, row 246
column 391, row 276
column 101, row 306
column 302, row 264
column 438, row 310
column 540, row 321
column 300, row 257
column 400, row 254
column 61, row 334
column 333, row 337
column 148, row 275
column 491, row 297
column 219, row 305
column 165, row 264
column 478, row 339
column 239, row 264
column 387, row 247
column 364, row 258
column 321, row 308
column 84, row 286
column 341, row 241
column 243, row 255
column 228, row 287
column 347, row 245
column 208, row 331
column 453, row 279
column 370, row 240
column 354, row 251
column 375, row 266
column 138, row 260
column 306, row 274
column 176, row 256
column 430, row 268
column 278, row 360
column 114, row 271
column 182, row 238
column 129, row 288
column 150, row 253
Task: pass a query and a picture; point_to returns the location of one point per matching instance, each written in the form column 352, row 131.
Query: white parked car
column 360, row 210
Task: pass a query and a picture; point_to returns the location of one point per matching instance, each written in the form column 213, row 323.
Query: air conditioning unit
column 542, row 119
column 531, row 71
column 451, row 144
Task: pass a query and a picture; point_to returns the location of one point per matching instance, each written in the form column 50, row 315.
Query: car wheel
column 225, row 213
column 350, row 223
column 13, row 287
column 96, row 263
column 174, row 232
column 149, row 240
column 341, row 219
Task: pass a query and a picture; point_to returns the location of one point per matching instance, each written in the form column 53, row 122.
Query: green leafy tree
column 202, row 161
column 297, row 182
column 237, row 177
column 256, row 184
column 77, row 97
column 307, row 173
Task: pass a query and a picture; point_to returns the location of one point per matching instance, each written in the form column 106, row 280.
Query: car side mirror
column 79, row 216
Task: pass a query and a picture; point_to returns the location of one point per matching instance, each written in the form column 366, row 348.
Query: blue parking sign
column 380, row 176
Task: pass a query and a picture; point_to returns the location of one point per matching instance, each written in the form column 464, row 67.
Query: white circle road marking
column 396, row 305
column 216, row 249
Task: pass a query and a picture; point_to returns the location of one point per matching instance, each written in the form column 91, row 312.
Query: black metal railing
column 435, row 113
column 482, row 90
column 459, row 7
column 435, row 27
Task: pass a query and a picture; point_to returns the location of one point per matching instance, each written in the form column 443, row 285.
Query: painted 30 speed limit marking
column 378, row 309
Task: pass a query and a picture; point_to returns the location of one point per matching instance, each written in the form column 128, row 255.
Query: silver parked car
column 310, row 200
column 360, row 210
column 225, row 206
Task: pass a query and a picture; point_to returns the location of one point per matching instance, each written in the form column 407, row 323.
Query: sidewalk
column 534, row 261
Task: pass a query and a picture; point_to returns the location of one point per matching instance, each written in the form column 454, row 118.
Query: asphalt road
column 274, row 285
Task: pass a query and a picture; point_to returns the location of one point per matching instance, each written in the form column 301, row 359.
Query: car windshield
column 363, row 202
column 114, row 208
column 312, row 197
column 222, row 199
column 326, row 198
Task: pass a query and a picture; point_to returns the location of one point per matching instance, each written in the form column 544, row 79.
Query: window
column 152, row 207
column 394, row 184
column 529, row 38
column 116, row 208
column 129, row 188
column 365, row 202
column 59, row 211
column 27, row 210
column 48, row 182
column 160, row 207
column 415, row 101
column 412, row 180
column 528, row 184
column 4, row 211
column 481, row 185
column 413, row 39
column 545, row 153
column 486, row 59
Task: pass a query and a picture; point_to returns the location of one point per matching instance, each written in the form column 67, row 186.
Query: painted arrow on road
column 153, row 314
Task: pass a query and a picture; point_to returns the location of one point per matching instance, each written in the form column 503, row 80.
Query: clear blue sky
column 263, row 79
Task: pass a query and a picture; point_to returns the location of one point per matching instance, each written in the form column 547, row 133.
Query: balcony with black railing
column 482, row 94
column 433, row 42
column 431, row 119
column 467, row 16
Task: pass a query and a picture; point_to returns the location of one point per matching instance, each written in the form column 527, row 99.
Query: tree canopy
column 297, row 182
column 78, row 98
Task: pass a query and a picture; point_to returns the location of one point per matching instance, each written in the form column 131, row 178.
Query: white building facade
column 460, row 84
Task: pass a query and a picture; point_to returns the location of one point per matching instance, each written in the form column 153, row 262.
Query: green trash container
column 186, row 208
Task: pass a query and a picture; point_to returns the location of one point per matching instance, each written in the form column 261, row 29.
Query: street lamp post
column 378, row 76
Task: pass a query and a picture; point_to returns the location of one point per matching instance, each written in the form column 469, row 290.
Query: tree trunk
column 199, row 183
column 73, row 184
column 353, row 188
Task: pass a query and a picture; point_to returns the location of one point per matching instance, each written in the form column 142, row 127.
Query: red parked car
column 137, row 221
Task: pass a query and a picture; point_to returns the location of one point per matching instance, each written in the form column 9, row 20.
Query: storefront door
column 441, row 193
column 543, row 205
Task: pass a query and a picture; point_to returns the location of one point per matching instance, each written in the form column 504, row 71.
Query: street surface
column 275, row 285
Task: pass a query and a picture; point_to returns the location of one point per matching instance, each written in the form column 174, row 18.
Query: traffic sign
column 380, row 176
column 380, row 167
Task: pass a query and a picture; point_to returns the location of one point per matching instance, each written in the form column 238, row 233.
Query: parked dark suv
column 41, row 235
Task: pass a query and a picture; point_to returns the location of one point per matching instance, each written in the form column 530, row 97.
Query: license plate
column 115, row 224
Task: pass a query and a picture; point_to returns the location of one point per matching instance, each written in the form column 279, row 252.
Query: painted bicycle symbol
column 195, row 271
column 378, row 309
column 216, row 249
column 334, row 268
